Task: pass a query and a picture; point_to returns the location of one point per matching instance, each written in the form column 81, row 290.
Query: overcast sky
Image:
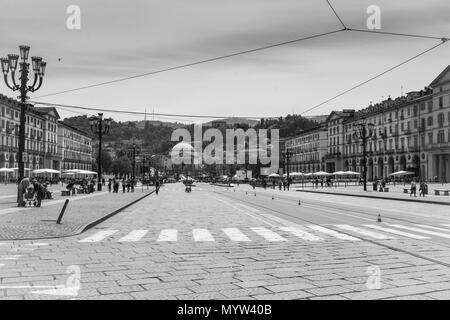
column 124, row 38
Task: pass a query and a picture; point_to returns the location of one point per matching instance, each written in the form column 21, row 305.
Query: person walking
column 413, row 188
column 284, row 184
column 157, row 186
column 109, row 184
column 124, row 185
column 423, row 189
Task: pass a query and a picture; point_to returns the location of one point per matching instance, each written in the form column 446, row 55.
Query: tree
column 106, row 161
column 121, row 166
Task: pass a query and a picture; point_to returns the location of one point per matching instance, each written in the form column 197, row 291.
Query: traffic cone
column 379, row 218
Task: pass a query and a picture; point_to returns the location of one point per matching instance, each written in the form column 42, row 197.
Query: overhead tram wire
column 443, row 41
column 337, row 16
column 57, row 105
column 192, row 63
column 398, row 34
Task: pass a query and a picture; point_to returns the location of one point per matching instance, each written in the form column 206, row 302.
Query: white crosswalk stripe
column 434, row 228
column 446, row 225
column 400, row 233
column 10, row 257
column 433, row 233
column 99, row 236
column 364, row 232
column 301, row 234
column 235, row 234
column 202, row 235
column 332, row 233
column 290, row 233
column 267, row 234
column 168, row 235
column 134, row 236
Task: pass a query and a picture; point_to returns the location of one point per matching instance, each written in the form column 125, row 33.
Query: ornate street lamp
column 99, row 127
column 10, row 64
column 364, row 131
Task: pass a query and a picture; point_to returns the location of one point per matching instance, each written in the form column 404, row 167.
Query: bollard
column 62, row 211
column 299, row 203
column 234, row 190
column 379, row 218
column 246, row 192
column 273, row 197
column 255, row 194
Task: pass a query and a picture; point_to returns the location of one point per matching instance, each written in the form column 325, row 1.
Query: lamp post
column 38, row 66
column 364, row 131
column 287, row 157
column 99, row 127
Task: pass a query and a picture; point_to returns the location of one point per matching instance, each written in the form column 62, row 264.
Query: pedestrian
column 284, row 184
column 280, row 184
column 109, row 184
column 21, row 189
column 423, row 189
column 124, row 185
column 157, row 185
column 39, row 190
column 288, row 183
column 413, row 188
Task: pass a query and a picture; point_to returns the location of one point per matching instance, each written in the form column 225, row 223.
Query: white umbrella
column 72, row 171
column 296, row 174
column 402, row 173
column 45, row 171
column 352, row 173
column 321, row 173
column 86, row 172
column 274, row 175
column 339, row 173
column 6, row 170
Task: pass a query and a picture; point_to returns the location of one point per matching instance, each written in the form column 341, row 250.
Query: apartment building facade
column 75, row 148
column 43, row 150
column 410, row 133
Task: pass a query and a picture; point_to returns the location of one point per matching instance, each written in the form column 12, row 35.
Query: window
column 441, row 102
column 440, row 137
column 430, row 137
column 416, row 110
column 415, row 123
column 440, row 120
column 430, row 106
column 430, row 121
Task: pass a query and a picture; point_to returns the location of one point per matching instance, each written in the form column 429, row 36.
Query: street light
column 364, row 131
column 99, row 127
column 287, row 157
column 10, row 64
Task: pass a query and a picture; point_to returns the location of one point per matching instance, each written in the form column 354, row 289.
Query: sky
column 124, row 38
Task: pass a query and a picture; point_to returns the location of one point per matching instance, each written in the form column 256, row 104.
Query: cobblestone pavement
column 219, row 245
column 38, row 223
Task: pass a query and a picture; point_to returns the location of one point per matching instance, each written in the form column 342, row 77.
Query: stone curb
column 382, row 198
column 88, row 226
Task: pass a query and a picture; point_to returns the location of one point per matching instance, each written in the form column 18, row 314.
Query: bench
column 65, row 193
column 437, row 192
